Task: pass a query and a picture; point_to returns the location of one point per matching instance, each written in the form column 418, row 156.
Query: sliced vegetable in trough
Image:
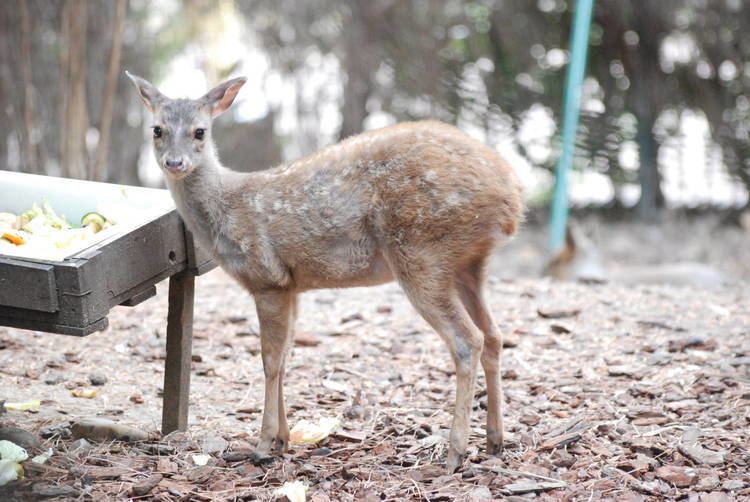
column 94, row 220
column 15, row 239
column 41, row 228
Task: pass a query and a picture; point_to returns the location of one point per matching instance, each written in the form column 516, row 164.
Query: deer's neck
column 201, row 201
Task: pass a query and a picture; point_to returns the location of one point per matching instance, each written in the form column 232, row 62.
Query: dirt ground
column 611, row 392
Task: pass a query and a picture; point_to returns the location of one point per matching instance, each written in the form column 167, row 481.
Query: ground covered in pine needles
column 611, row 393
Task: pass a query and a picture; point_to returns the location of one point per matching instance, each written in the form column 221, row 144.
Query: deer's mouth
column 176, row 169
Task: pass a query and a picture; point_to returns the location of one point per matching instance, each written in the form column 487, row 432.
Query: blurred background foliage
column 665, row 107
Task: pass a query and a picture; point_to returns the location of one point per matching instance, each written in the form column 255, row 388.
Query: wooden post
column 179, row 351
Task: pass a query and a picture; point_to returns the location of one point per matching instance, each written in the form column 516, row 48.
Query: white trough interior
column 134, row 207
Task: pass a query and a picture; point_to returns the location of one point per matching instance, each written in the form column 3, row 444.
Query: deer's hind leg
column 470, row 281
column 432, row 291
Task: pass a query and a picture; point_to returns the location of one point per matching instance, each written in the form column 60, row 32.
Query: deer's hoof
column 259, row 458
column 495, row 441
column 494, row 447
column 454, row 461
column 280, row 445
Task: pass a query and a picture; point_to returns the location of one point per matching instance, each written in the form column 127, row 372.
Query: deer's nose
column 173, row 164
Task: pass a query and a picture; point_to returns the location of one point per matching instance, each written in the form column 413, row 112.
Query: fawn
column 580, row 260
column 420, row 203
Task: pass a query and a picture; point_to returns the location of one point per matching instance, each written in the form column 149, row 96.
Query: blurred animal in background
column 745, row 221
column 580, row 260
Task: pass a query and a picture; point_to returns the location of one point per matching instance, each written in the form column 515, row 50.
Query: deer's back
column 332, row 218
column 435, row 180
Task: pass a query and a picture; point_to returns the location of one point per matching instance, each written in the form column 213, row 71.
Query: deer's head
column 182, row 127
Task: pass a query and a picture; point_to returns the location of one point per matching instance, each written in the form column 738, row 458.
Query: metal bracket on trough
column 140, row 297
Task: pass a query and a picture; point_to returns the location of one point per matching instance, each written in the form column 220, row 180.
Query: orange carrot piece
column 15, row 239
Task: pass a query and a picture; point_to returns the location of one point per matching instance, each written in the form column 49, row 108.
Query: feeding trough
column 70, row 290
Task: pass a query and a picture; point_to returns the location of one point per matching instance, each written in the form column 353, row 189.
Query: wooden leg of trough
column 179, row 350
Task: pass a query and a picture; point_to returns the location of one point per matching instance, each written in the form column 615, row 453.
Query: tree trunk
column 359, row 60
column 105, row 120
column 73, row 68
column 354, row 110
column 30, row 136
column 652, row 198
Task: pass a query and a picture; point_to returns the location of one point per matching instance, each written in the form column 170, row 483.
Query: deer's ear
column 220, row 98
column 148, row 92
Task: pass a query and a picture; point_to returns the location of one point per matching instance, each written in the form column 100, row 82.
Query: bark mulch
column 611, row 393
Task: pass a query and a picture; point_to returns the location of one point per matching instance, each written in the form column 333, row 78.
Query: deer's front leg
column 275, row 312
column 283, row 435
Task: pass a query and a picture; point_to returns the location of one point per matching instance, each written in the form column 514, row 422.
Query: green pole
column 579, row 41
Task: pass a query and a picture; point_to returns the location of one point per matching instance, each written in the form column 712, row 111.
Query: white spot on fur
column 258, row 202
column 453, row 199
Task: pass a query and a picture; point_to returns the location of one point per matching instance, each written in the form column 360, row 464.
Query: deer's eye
column 200, row 133
column 157, row 132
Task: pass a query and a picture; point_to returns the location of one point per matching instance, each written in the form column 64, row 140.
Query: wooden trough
column 73, row 295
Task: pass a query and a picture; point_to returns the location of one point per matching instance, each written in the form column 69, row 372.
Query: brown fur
column 421, row 203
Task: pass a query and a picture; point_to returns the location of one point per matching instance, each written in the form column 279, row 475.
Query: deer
column 579, row 259
column 420, row 203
